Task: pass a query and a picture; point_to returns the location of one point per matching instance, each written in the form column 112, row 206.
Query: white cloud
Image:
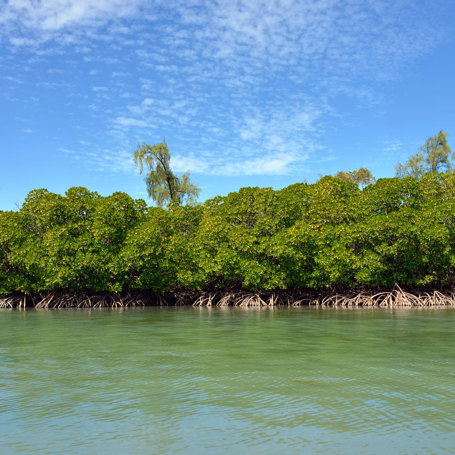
column 247, row 86
column 128, row 122
column 320, row 36
column 185, row 163
column 279, row 164
column 13, row 79
column 118, row 161
column 392, row 149
column 51, row 15
column 392, row 146
column 268, row 164
column 21, row 41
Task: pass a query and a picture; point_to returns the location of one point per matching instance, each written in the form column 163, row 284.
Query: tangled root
column 396, row 297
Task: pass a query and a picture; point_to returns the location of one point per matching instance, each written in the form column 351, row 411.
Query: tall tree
column 163, row 186
column 434, row 156
column 360, row 177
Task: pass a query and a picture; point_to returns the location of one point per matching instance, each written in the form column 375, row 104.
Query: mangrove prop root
column 395, row 297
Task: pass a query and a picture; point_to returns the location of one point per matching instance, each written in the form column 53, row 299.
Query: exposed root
column 78, row 300
column 7, row 303
column 396, row 297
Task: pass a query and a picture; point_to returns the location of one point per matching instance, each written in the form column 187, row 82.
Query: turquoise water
column 201, row 381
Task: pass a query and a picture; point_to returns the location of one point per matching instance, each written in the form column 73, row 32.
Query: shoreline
column 395, row 297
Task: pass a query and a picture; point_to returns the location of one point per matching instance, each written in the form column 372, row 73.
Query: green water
column 170, row 381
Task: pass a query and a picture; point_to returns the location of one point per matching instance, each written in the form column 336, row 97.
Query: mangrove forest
column 331, row 242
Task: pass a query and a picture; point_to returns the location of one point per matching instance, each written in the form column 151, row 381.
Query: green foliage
column 70, row 242
column 329, row 234
column 163, row 186
column 360, row 177
column 13, row 274
column 434, row 156
column 236, row 234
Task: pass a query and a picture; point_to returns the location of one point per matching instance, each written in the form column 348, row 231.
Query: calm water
column 169, row 381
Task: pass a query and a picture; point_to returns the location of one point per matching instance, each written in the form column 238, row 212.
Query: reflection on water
column 201, row 381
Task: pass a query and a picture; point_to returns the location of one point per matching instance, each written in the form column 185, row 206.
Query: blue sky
column 246, row 93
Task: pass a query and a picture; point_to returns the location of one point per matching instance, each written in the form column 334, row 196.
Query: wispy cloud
column 129, row 122
column 67, row 151
column 52, row 15
column 267, row 164
column 392, row 146
column 239, row 88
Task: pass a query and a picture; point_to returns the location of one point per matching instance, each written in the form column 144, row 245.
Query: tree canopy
column 163, row 186
column 434, row 156
column 360, row 177
column 341, row 231
column 327, row 234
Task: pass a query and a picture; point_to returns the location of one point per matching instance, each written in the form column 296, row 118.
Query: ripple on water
column 172, row 381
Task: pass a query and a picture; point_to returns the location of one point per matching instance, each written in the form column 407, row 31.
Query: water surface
column 199, row 381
